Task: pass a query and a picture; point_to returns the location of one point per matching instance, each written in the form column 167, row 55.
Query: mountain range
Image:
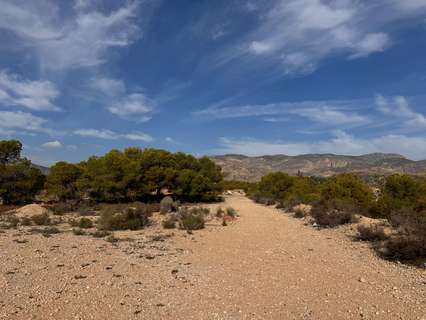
column 245, row 168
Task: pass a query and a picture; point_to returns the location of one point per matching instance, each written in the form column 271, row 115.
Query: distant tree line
column 118, row 176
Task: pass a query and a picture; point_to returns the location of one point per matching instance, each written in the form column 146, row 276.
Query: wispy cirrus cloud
column 299, row 34
column 398, row 108
column 32, row 94
column 13, row 122
column 325, row 113
column 74, row 41
column 111, row 135
column 52, row 145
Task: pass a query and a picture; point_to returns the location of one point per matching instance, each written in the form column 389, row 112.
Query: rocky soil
column 266, row 265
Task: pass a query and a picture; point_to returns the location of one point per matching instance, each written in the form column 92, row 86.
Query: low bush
column 62, row 208
column 82, row 223
column 219, row 212
column 129, row 218
column 41, row 219
column 231, row 212
column 13, row 221
column 192, row 219
column 100, row 233
column 25, row 221
column 78, row 232
column 405, row 248
column 299, row 213
column 372, row 232
column 410, row 241
column 334, row 213
column 112, row 239
column 169, row 223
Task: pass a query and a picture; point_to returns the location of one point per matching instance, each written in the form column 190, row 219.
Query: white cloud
column 52, row 145
column 94, row 133
column 135, row 106
column 373, row 42
column 131, row 106
column 111, row 135
column 330, row 116
column 326, row 113
column 36, row 95
column 399, row 108
column 299, row 34
column 63, row 42
column 21, row 121
column 340, row 143
column 108, row 86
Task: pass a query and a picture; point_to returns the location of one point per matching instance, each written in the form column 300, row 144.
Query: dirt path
column 267, row 265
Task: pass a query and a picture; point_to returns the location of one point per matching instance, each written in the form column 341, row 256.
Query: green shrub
column 129, row 218
column 25, row 221
column 47, row 231
column 100, row 233
column 231, row 212
column 334, row 213
column 169, row 223
column 373, row 232
column 192, row 219
column 112, row 239
column 299, row 213
column 85, row 223
column 41, row 219
column 219, row 212
column 78, row 232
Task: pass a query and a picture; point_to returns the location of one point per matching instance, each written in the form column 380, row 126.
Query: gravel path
column 266, row 265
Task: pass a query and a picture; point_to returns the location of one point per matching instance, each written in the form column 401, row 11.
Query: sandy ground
column 266, row 265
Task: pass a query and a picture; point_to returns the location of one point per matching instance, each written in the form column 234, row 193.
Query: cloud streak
column 36, row 95
column 111, row 135
column 300, row 34
column 81, row 40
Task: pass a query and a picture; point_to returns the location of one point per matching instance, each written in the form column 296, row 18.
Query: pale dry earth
column 265, row 265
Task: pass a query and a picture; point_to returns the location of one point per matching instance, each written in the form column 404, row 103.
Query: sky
column 78, row 78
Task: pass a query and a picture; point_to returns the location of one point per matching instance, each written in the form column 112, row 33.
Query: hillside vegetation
column 399, row 199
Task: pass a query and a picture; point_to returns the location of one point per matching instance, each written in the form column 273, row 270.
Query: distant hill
column 246, row 168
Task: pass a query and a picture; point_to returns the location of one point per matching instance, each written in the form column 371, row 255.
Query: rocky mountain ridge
column 245, row 168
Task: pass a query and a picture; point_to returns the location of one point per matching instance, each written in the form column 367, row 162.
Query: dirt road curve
column 267, row 265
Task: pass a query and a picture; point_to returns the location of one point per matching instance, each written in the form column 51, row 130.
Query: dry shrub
column 334, row 213
column 169, row 223
column 41, row 219
column 192, row 219
column 231, row 212
column 78, row 232
column 372, row 232
column 100, row 234
column 128, row 218
column 299, row 213
column 409, row 243
column 219, row 212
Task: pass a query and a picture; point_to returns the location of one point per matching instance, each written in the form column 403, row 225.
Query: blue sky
column 78, row 78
